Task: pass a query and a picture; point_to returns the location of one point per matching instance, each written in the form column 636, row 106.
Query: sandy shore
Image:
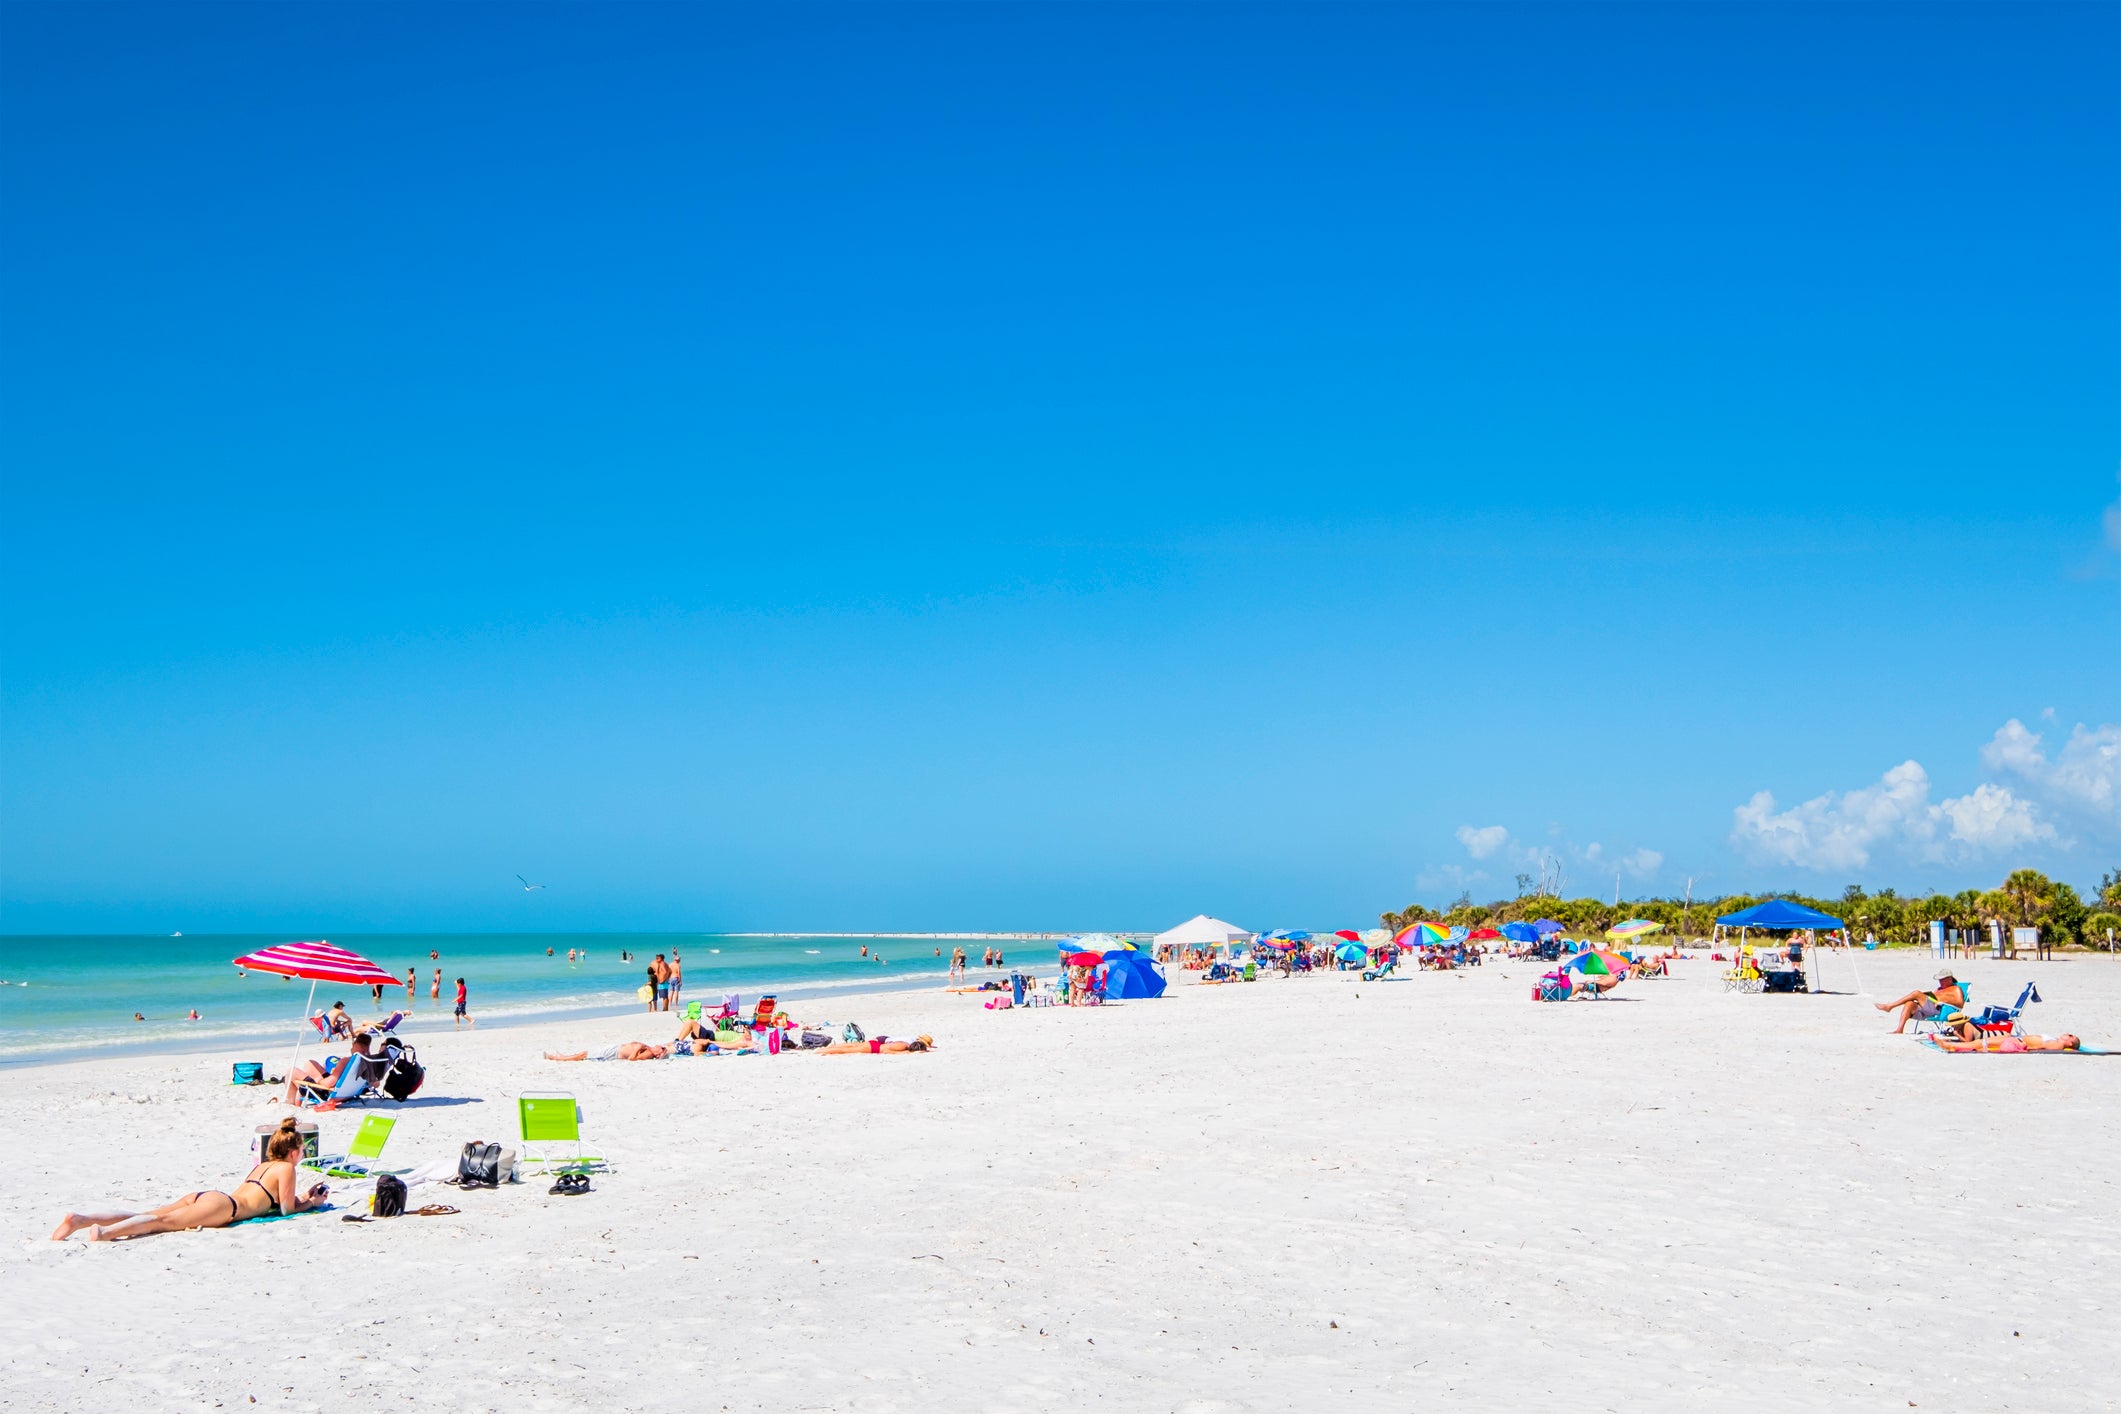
column 1428, row 1193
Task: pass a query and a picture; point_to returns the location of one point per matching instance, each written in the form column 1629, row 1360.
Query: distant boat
column 176, row 935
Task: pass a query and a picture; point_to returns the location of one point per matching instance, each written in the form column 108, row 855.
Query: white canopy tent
column 1201, row 931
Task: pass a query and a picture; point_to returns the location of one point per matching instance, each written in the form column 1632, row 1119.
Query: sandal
column 571, row 1183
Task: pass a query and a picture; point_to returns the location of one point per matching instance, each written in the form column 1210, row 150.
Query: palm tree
column 2031, row 893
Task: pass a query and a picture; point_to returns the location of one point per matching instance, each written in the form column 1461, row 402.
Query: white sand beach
column 1288, row 1195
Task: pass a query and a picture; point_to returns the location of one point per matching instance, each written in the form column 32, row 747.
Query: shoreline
column 267, row 1041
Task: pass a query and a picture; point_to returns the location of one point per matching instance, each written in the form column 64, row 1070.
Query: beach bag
column 405, row 1073
column 479, row 1166
column 389, row 1201
column 852, row 1033
column 247, row 1073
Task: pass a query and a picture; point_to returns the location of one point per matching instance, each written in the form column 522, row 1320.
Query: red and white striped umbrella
column 318, row 962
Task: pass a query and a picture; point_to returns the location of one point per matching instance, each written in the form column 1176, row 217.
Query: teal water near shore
column 74, row 995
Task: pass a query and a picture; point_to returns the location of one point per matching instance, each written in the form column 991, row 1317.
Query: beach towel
column 2082, row 1050
column 283, row 1217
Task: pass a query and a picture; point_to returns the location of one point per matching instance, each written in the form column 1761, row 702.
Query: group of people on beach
column 666, row 979
column 1957, row 1029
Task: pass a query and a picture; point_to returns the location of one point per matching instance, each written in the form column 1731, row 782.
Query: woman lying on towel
column 625, row 1050
column 2007, row 1045
column 865, row 1048
column 269, row 1188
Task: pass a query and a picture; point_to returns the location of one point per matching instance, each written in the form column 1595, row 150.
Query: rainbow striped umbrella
column 1634, row 928
column 1594, row 963
column 318, row 962
column 1416, row 935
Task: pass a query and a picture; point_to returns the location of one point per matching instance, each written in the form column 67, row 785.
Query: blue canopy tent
column 1781, row 916
column 1130, row 975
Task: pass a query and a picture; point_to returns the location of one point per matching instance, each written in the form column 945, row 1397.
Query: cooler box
column 307, row 1130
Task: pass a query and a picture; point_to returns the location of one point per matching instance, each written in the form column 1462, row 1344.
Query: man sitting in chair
column 1928, row 1005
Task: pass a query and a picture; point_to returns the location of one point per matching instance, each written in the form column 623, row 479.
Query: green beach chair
column 360, row 1156
column 552, row 1122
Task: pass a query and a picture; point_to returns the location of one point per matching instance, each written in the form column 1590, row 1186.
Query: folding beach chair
column 1946, row 1015
column 359, row 1159
column 552, row 1121
column 348, row 1084
column 762, row 1014
column 1996, row 1021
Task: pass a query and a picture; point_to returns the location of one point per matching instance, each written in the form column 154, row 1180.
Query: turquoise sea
column 69, row 996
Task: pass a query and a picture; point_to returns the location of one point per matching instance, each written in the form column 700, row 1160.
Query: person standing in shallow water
column 463, row 1013
column 435, row 994
column 412, row 986
column 674, row 979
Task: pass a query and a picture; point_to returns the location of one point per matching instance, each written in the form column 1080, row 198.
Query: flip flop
column 571, row 1183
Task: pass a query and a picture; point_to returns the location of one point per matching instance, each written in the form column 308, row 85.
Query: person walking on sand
column 463, row 1006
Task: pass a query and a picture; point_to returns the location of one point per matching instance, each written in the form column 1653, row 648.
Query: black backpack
column 405, row 1073
column 479, row 1166
column 390, row 1196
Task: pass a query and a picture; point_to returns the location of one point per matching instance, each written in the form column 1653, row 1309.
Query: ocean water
column 68, row 996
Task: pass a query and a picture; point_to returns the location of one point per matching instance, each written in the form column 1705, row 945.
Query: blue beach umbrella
column 1353, row 952
column 1520, row 932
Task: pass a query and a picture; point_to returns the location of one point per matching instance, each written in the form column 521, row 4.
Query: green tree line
column 2026, row 898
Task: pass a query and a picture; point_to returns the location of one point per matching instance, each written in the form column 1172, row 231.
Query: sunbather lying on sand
column 269, row 1188
column 1587, row 985
column 625, row 1050
column 863, row 1048
column 2007, row 1045
column 700, row 1030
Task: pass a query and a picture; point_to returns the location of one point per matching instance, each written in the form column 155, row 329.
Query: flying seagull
column 527, row 885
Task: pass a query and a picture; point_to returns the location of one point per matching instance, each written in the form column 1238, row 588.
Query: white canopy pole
column 297, row 1058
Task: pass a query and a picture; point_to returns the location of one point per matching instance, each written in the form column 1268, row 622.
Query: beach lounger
column 360, row 1156
column 552, row 1122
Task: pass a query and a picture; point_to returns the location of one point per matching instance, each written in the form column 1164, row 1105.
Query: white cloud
column 1841, row 830
column 1990, row 819
column 2013, row 748
column 1642, row 863
column 2084, row 777
column 1483, row 840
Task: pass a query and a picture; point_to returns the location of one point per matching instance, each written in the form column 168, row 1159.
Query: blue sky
column 1078, row 466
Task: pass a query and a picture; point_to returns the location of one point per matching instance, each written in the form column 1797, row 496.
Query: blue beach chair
column 1997, row 1021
